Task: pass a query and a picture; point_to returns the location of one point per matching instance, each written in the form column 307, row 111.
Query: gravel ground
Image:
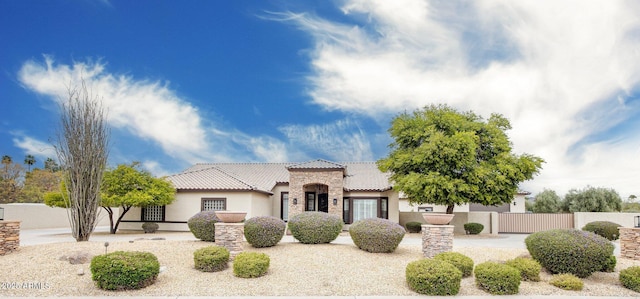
column 296, row 269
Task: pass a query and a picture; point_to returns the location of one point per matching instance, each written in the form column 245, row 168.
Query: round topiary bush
column 473, row 228
column 630, row 278
column 570, row 251
column 459, row 260
column 567, row 282
column 497, row 279
column 433, row 277
column 606, row 229
column 202, row 225
column 529, row 268
column 250, row 264
column 315, row 227
column 124, row 270
column 264, row 231
column 150, row 227
column 413, row 226
column 376, row 234
column 211, row 258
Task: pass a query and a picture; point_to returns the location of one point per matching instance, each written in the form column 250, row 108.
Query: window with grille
column 153, row 213
column 214, row 204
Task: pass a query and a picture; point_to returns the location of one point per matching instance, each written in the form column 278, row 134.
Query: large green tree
column 547, row 201
column 37, row 183
column 128, row 186
column 591, row 199
column 11, row 175
column 446, row 157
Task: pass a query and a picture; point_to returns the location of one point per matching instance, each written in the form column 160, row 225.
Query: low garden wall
column 9, row 236
column 39, row 215
column 488, row 219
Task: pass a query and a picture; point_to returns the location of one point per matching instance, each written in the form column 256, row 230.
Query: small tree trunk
column 450, row 209
column 125, row 209
column 110, row 212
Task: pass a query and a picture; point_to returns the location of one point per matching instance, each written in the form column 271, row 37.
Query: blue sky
column 271, row 81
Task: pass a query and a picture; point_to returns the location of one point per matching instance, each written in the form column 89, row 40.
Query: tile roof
column 262, row 177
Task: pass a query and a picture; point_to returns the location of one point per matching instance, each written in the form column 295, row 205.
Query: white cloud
column 39, row 149
column 555, row 69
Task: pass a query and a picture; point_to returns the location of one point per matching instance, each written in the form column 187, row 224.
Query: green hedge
column 473, row 228
column 433, row 277
column 376, row 235
column 630, row 278
column 211, row 258
column 497, row 279
column 413, row 226
column 459, row 260
column 264, row 231
column 606, row 229
column 124, row 270
column 529, row 268
column 250, row 264
column 567, row 282
column 202, row 225
column 315, row 227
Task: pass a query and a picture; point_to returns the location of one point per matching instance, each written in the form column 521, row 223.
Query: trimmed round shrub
column 529, row 268
column 376, row 234
column 413, row 226
column 570, row 251
column 459, row 260
column 202, row 225
column 433, row 277
column 250, row 264
column 473, row 228
column 630, row 278
column 497, row 279
column 124, row 270
column 150, row 227
column 610, row 264
column 567, row 282
column 211, row 258
column 606, row 229
column 315, row 227
column 264, row 231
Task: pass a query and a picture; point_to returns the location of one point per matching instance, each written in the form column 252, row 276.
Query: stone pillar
column 436, row 239
column 9, row 236
column 230, row 236
column 630, row 242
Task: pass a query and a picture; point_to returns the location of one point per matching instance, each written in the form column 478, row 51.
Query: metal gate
column 531, row 223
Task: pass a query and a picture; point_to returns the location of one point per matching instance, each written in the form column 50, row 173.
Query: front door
column 323, row 202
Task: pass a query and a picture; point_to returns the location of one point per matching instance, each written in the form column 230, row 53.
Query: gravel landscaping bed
column 296, row 269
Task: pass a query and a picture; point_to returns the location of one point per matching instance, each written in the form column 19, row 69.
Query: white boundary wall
column 39, row 215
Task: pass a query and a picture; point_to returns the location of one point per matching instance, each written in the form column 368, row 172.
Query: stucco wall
column 488, row 219
column 39, row 215
column 580, row 219
column 405, row 206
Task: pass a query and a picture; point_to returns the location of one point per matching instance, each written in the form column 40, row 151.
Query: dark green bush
column 211, row 258
column 610, row 264
column 150, row 227
column 376, row 235
column 567, row 282
column 250, row 264
column 413, row 226
column 570, row 251
column 473, row 228
column 630, row 278
column 264, row 231
column 202, row 225
column 433, row 277
column 529, row 268
column 315, row 227
column 124, row 270
column 459, row 260
column 497, row 279
column 606, row 229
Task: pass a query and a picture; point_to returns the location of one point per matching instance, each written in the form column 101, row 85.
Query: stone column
column 230, row 236
column 630, row 242
column 436, row 239
column 9, row 236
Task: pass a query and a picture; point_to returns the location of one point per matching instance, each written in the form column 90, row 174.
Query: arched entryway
column 316, row 197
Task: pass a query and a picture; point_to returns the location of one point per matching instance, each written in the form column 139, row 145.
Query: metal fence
column 531, row 223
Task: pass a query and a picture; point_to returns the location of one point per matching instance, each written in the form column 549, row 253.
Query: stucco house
column 352, row 190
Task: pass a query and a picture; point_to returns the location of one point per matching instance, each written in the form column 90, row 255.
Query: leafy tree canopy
column 591, row 199
column 442, row 156
column 547, row 201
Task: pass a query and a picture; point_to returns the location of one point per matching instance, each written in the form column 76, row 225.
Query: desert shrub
column 264, row 231
column 150, row 227
column 606, row 229
column 570, row 251
column 630, row 278
column 459, row 260
column 529, row 268
column 315, row 227
column 610, row 265
column 567, row 281
column 124, row 270
column 376, row 235
column 250, row 264
column 202, row 225
column 473, row 228
column 497, row 279
column 211, row 258
column 433, row 277
column 413, row 226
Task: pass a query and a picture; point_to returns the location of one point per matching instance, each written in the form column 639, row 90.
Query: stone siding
column 9, row 236
column 436, row 239
column 230, row 236
column 299, row 179
column 630, row 242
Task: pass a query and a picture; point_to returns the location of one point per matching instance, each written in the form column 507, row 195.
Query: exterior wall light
column 1, row 213
column 335, row 201
column 295, row 201
column 636, row 222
